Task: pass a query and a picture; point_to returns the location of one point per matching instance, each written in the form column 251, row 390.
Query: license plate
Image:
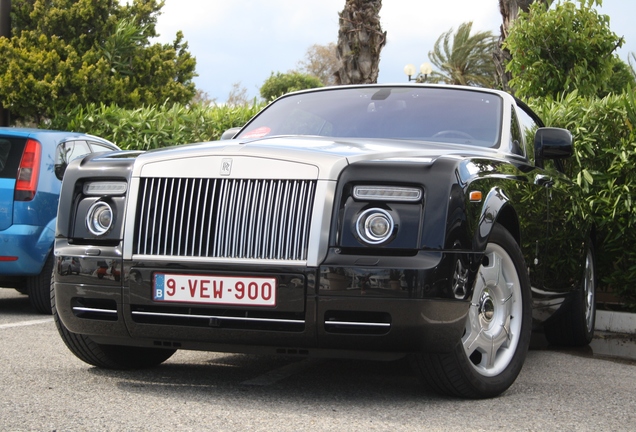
column 210, row 289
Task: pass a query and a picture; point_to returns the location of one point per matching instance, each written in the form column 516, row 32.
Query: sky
column 244, row 41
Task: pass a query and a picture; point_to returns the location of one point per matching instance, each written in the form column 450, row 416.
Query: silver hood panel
column 313, row 158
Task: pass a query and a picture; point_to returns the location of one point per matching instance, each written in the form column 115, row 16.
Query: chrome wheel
column 494, row 321
column 588, row 290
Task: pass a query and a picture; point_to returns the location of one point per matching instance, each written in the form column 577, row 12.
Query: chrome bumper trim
column 219, row 317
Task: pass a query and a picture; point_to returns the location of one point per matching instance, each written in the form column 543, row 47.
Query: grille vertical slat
column 274, row 239
column 266, row 224
column 259, row 223
column 284, row 221
column 291, row 221
column 238, row 223
column 152, row 225
column 174, row 225
column 224, row 218
column 252, row 222
column 210, row 213
column 245, row 221
column 164, row 240
column 205, row 194
column 220, row 226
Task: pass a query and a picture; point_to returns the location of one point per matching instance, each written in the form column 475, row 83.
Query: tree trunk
column 360, row 40
column 509, row 12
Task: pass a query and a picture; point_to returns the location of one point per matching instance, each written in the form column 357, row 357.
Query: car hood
column 289, row 156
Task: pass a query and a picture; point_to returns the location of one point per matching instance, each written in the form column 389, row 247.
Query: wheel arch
column 496, row 209
column 509, row 219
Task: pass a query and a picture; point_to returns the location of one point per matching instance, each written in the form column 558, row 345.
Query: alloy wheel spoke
column 473, row 330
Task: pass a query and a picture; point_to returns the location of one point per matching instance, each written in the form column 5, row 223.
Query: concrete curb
column 616, row 322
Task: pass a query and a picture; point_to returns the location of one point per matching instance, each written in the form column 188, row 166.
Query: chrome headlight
column 375, row 226
column 99, row 218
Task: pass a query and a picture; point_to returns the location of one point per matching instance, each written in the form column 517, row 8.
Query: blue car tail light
column 28, row 172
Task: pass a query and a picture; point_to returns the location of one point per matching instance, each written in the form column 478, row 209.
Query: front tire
column 107, row 356
column 489, row 356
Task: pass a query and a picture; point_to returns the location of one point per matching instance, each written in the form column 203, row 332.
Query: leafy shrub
column 155, row 126
column 562, row 49
column 281, row 83
column 605, row 156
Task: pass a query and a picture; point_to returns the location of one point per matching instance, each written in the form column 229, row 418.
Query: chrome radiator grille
column 224, row 218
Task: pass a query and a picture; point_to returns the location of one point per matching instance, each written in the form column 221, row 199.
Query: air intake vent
column 224, row 218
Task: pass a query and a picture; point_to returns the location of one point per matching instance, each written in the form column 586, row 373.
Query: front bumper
column 314, row 316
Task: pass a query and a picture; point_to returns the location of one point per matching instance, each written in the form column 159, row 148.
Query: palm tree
column 360, row 40
column 464, row 59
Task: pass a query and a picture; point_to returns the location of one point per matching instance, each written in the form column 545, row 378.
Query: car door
column 565, row 243
column 563, row 227
column 534, row 200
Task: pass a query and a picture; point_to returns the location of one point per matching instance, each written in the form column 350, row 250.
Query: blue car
column 32, row 164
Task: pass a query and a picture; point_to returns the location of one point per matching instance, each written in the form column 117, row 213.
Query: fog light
column 375, row 226
column 99, row 218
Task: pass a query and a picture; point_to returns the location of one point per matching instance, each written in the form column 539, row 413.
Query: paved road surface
column 43, row 387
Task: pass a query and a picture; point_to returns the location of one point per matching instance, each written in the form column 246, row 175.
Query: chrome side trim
column 358, row 324
column 219, row 317
column 94, row 310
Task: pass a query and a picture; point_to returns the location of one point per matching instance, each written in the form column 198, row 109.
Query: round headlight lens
column 99, row 218
column 375, row 226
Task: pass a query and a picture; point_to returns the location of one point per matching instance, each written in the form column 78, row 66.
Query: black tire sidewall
column 38, row 287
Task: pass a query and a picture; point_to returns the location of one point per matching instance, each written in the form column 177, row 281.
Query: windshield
column 410, row 113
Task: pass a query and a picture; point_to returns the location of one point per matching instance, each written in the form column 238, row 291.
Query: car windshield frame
column 440, row 114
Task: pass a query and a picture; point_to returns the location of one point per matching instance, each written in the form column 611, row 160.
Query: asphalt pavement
column 43, row 387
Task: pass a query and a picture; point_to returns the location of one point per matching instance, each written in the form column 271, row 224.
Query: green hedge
column 605, row 166
column 155, row 126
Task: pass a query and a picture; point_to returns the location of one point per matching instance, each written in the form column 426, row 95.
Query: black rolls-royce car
column 367, row 221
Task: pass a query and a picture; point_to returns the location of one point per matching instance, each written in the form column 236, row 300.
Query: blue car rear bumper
column 30, row 244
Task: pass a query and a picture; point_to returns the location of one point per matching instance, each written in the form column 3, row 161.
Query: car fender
column 44, row 244
column 496, row 208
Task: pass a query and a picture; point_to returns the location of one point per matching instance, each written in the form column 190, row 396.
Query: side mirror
column 230, row 133
column 59, row 170
column 552, row 143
